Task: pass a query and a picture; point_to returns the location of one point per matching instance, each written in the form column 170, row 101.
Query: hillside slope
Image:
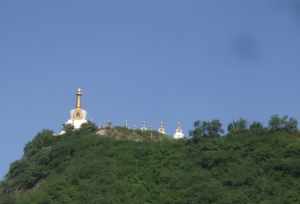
column 83, row 167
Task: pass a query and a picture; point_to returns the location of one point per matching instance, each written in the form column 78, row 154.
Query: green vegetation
column 250, row 164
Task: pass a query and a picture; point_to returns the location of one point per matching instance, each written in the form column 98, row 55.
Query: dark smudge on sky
column 294, row 8
column 246, row 47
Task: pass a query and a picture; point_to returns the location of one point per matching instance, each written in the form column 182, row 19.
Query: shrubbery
column 250, row 164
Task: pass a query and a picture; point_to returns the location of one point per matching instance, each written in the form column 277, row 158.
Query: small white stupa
column 78, row 116
column 179, row 132
column 144, row 126
column 162, row 129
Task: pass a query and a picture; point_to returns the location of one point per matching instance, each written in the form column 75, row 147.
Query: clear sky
column 145, row 60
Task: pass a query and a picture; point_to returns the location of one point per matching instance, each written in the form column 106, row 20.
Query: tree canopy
column 249, row 164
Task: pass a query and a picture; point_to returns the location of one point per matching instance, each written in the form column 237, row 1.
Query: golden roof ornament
column 78, row 98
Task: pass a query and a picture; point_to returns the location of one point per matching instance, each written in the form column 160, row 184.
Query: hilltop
column 132, row 166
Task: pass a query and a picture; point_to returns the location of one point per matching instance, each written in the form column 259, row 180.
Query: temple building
column 179, row 132
column 78, row 116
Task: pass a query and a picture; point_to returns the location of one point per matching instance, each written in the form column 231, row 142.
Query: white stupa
column 179, row 132
column 162, row 129
column 78, row 116
column 144, row 126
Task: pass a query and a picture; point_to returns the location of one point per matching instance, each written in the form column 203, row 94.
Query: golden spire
column 179, row 128
column 162, row 124
column 78, row 98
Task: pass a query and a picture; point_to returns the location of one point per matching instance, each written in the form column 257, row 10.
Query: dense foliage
column 251, row 164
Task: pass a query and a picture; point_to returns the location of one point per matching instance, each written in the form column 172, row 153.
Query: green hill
column 132, row 167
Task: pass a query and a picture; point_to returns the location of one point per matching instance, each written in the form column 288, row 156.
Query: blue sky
column 145, row 60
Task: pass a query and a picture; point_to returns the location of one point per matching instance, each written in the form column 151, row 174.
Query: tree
column 215, row 128
column 200, row 129
column 43, row 139
column 256, row 128
column 207, row 129
column 86, row 168
column 89, row 126
column 238, row 126
column 292, row 125
column 68, row 128
column 284, row 123
column 277, row 123
column 7, row 199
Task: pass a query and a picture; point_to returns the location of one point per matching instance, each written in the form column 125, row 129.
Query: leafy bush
column 257, row 165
